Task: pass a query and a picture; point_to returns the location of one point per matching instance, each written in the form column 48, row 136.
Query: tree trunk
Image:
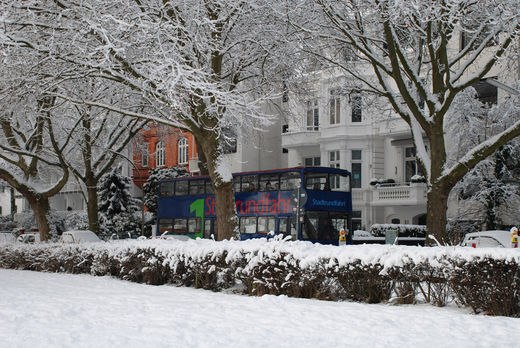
column 13, row 203
column 225, row 210
column 92, row 206
column 41, row 208
column 436, row 207
column 224, row 195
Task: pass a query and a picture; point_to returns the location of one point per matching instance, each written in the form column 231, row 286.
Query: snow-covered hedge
column 487, row 280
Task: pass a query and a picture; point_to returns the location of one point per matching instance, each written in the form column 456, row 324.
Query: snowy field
column 64, row 310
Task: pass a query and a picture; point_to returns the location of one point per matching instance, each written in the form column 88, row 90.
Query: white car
column 488, row 239
column 171, row 235
column 79, row 236
column 29, row 238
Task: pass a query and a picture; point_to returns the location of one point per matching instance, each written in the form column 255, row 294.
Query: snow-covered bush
column 486, row 280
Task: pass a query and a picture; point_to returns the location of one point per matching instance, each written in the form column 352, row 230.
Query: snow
column 64, row 310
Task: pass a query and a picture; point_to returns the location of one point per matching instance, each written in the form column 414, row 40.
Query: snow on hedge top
column 308, row 254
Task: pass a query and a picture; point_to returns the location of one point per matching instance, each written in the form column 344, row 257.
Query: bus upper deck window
column 317, row 181
column 340, row 182
column 249, row 183
column 167, row 188
column 290, row 181
column 269, row 182
column 236, row 184
column 181, row 188
column 196, row 187
column 209, row 187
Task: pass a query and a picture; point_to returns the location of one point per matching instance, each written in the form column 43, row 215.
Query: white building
column 338, row 127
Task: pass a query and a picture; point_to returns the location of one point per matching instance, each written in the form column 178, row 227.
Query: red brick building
column 161, row 146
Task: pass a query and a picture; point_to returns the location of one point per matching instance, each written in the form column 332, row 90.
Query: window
column 179, row 226
column 269, row 182
column 323, row 226
column 339, row 182
column 355, row 104
column 335, row 106
column 356, row 169
column 249, row 183
column 194, row 225
column 312, row 161
column 196, row 187
column 313, row 116
column 356, row 220
column 144, row 157
column 167, row 188
column 181, row 188
column 209, row 187
column 410, row 164
column 316, row 181
column 334, row 159
column 159, row 154
column 334, row 163
column 165, row 225
column 183, row 151
column 290, row 181
column 248, row 225
column 486, row 93
column 266, row 224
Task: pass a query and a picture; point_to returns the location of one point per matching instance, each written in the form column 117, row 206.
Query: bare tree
column 409, row 53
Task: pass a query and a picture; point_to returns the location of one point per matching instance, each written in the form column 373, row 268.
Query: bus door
column 287, row 227
column 324, row 227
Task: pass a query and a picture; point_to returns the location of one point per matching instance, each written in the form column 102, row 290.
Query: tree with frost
column 204, row 65
column 419, row 55
column 491, row 188
column 102, row 136
column 151, row 187
column 117, row 208
column 34, row 136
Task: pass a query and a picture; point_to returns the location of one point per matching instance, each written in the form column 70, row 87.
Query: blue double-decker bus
column 306, row 203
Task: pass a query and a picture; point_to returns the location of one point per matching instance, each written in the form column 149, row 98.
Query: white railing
column 399, row 194
column 395, row 192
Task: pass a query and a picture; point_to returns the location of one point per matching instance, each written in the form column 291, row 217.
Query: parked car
column 29, row 238
column 172, row 235
column 79, row 236
column 488, row 239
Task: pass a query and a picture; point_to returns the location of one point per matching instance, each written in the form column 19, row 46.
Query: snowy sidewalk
column 63, row 310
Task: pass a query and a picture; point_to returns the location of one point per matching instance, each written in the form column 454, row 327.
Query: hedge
column 486, row 280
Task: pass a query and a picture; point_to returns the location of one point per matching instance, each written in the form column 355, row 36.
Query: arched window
column 183, row 151
column 159, row 154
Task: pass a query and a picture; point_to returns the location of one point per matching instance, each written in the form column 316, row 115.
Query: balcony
column 399, row 194
column 300, row 138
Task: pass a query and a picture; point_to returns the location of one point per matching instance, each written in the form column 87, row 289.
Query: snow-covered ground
column 64, row 310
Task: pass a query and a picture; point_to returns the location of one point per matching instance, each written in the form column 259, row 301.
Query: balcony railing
column 399, row 194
